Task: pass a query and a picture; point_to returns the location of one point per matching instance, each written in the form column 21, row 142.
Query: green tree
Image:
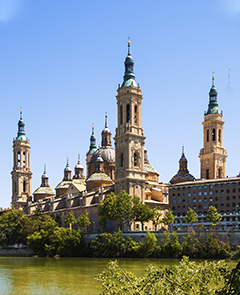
column 142, row 213
column 156, row 216
column 191, row 217
column 116, row 208
column 168, row 218
column 70, row 219
column 149, row 247
column 172, row 245
column 187, row 277
column 83, row 220
column 213, row 216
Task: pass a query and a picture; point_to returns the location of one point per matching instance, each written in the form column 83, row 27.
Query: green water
column 63, row 275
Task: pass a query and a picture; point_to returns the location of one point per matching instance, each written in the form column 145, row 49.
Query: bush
column 172, row 246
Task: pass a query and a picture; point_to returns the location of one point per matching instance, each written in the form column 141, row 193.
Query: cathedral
column 108, row 169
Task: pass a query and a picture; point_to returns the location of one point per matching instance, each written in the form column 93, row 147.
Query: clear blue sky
column 61, row 62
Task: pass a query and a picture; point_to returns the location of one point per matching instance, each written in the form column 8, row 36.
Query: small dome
column 99, row 176
column 213, row 91
column 149, row 168
column 182, row 177
column 44, row 190
column 107, row 154
column 99, row 158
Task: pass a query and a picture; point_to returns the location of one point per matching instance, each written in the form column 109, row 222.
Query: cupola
column 21, row 132
column 67, row 173
column 78, row 170
column 213, row 104
column 129, row 77
column 106, row 135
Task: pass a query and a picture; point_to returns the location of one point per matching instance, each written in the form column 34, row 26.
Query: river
column 35, row 275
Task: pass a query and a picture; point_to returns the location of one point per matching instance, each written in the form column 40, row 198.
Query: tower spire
column 129, row 77
column 213, row 104
column 21, row 132
column 106, row 122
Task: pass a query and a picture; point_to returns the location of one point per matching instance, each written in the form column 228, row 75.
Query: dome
column 106, row 130
column 106, row 153
column 182, row 177
column 99, row 176
column 149, row 168
column 213, row 91
column 44, row 190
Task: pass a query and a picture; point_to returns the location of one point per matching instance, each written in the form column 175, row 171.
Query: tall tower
column 213, row 155
column 21, row 172
column 92, row 149
column 129, row 138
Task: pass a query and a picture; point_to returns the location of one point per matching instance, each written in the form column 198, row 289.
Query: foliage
column 156, row 216
column 213, row 216
column 168, row 218
column 142, row 213
column 108, row 245
column 148, row 248
column 191, row 216
column 83, row 220
column 116, row 208
column 172, row 246
column 191, row 246
column 185, row 278
column 70, row 219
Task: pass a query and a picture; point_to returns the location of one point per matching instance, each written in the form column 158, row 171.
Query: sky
column 61, row 63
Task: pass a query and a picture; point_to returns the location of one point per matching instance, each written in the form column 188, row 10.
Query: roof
column 202, row 181
column 99, row 176
column 183, row 177
column 149, row 168
column 107, row 153
column 148, row 191
column 66, row 184
column 44, row 190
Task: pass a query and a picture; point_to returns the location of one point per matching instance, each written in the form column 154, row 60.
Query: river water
column 35, row 275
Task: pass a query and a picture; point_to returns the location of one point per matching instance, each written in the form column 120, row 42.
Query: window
column 173, row 208
column 205, row 193
column 234, row 190
column 205, row 186
column 222, row 198
column 189, row 200
column 207, row 174
column 199, row 200
column 227, row 191
column 135, row 159
column 24, row 186
column 216, row 198
column 216, row 185
column 234, row 197
column 194, row 194
column 207, row 135
column 194, row 187
column 194, row 200
column 222, row 184
column 216, row 205
column 183, row 194
column 122, row 160
column 205, row 200
column 205, row 206
column 183, row 201
column 178, row 195
column 216, row 191
column 128, row 114
column 178, row 207
column 178, row 189
column 233, row 184
column 210, row 186
column 189, row 194
column 200, row 187
column 219, row 135
column 222, row 205
column 194, row 207
column 228, row 198
column 136, row 114
column 210, row 193
column 222, row 191
column 199, row 206
column 173, row 195
column 199, row 193
column 173, row 201
column 24, row 159
column 19, row 159
column 228, row 205
column 178, row 201
column 213, row 134
column 233, row 204
column 210, row 199
column 184, row 208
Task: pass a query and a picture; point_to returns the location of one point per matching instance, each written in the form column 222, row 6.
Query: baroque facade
column 108, row 169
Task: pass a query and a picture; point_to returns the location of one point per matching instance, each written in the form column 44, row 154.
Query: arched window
column 19, row 159
column 207, row 135
column 128, row 114
column 121, row 115
column 24, row 159
column 219, row 173
column 219, row 135
column 24, row 186
column 121, row 160
column 207, row 174
column 135, row 159
column 213, row 134
column 136, row 114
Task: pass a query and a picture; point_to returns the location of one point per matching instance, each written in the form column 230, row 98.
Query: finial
column 21, row 114
column 213, row 79
column 45, row 170
column 129, row 46
column 229, row 76
column 92, row 129
column 67, row 162
column 78, row 158
column 106, row 123
column 183, row 150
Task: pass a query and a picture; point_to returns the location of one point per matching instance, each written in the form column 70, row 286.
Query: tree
column 191, row 216
column 116, row 208
column 83, row 220
column 213, row 216
column 156, row 216
column 142, row 213
column 168, row 218
column 70, row 219
column 187, row 277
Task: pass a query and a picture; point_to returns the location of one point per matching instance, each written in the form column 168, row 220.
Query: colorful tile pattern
column 44, row 190
column 182, row 176
column 99, row 176
column 149, row 168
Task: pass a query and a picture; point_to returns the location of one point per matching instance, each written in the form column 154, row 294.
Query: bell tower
column 21, row 172
column 213, row 155
column 129, row 138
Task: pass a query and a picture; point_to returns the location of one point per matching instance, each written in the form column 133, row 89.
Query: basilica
column 108, row 169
